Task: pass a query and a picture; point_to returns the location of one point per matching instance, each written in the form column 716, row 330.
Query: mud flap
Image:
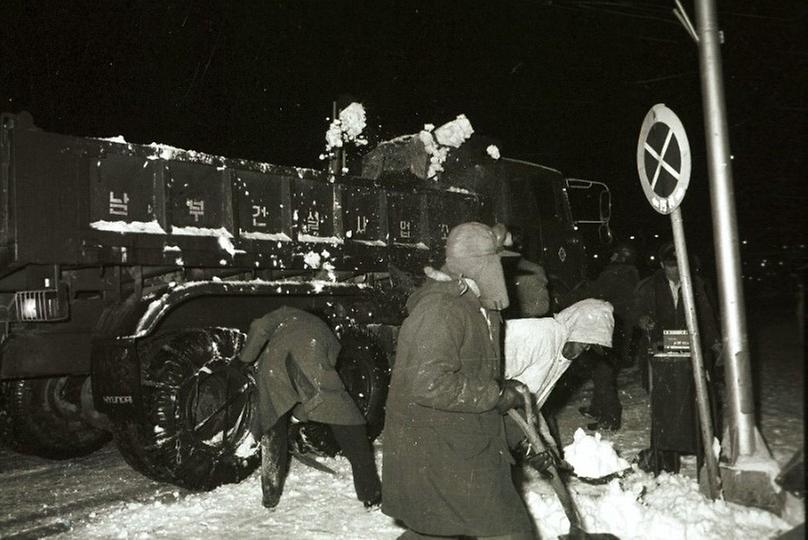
column 116, row 376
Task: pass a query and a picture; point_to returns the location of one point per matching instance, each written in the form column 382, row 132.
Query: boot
column 274, row 462
column 353, row 440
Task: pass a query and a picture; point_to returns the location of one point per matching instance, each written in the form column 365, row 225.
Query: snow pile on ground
column 592, row 457
column 316, row 505
column 669, row 507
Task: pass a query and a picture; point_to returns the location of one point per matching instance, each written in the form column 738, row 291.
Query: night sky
column 565, row 83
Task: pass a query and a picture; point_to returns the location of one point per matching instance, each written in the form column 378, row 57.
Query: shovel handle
column 556, row 481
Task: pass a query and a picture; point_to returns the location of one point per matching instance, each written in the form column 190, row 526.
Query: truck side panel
column 93, row 202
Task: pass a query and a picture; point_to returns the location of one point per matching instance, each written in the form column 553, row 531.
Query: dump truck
column 130, row 273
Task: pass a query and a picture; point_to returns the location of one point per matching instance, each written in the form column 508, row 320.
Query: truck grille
column 37, row 306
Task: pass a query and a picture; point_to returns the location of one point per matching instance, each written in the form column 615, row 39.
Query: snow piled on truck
column 439, row 141
column 143, row 227
column 346, row 128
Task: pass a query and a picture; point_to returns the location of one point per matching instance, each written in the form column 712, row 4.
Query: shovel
column 562, row 492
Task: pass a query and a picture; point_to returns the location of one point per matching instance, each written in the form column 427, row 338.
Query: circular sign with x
column 663, row 159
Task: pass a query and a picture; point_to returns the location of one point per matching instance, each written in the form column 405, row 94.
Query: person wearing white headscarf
column 539, row 351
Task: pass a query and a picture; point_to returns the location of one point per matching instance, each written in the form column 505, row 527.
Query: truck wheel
column 365, row 371
column 44, row 418
column 197, row 410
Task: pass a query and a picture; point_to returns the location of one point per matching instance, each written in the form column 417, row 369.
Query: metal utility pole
column 738, row 372
column 749, row 476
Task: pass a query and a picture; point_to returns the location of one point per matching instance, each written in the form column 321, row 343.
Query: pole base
column 750, row 482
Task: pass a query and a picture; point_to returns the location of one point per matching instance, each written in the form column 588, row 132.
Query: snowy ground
column 317, row 505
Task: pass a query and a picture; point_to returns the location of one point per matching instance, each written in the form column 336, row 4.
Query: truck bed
column 85, row 202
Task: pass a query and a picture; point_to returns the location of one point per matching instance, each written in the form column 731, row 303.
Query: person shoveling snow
column 537, row 353
column 539, row 350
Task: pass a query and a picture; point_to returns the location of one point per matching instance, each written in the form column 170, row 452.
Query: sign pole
column 702, row 396
column 664, row 164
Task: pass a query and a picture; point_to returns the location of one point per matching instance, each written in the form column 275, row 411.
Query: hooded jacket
column 446, row 462
column 297, row 354
column 533, row 347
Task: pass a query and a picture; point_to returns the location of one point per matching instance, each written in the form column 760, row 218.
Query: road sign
column 663, row 159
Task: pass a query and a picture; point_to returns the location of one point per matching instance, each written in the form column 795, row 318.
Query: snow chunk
column 454, row 133
column 438, row 143
column 591, row 457
column 227, row 245
column 312, row 259
column 346, row 128
column 248, row 447
column 353, row 120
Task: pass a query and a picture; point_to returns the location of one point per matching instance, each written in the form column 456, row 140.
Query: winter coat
column 297, row 354
column 616, row 284
column 653, row 297
column 534, row 347
column 533, row 354
column 447, row 468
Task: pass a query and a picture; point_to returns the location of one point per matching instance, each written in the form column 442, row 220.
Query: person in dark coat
column 615, row 284
column 447, row 467
column 658, row 306
column 297, row 354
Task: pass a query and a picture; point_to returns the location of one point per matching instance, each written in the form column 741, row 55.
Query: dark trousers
column 353, row 442
column 605, row 404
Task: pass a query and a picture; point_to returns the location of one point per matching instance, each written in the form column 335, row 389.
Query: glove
column 543, row 460
column 248, row 368
column 646, row 323
column 512, row 396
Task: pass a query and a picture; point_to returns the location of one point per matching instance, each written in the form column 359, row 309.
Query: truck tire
column 194, row 428
column 43, row 417
column 365, row 371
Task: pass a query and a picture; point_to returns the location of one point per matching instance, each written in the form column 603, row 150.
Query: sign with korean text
column 663, row 159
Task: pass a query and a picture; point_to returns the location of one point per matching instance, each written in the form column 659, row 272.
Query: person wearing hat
column 658, row 306
column 447, row 467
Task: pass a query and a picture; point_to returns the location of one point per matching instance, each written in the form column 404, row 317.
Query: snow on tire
column 194, row 429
